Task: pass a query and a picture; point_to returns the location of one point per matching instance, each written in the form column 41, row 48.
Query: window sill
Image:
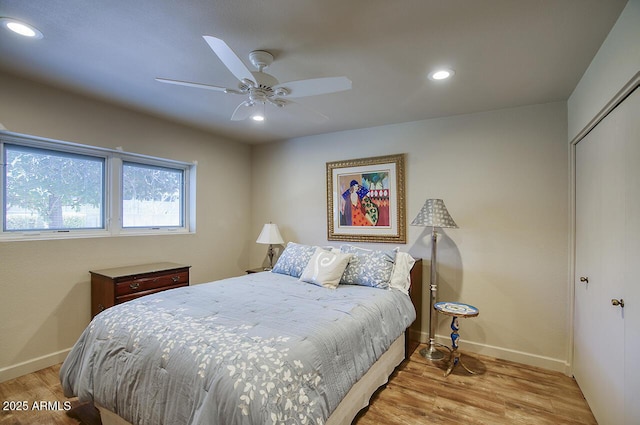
column 55, row 235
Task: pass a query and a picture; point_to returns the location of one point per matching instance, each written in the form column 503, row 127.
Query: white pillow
column 401, row 275
column 325, row 268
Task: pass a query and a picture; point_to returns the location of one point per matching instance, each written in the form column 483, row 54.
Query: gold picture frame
column 366, row 201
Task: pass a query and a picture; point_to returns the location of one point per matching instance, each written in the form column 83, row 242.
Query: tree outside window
column 46, row 189
column 151, row 196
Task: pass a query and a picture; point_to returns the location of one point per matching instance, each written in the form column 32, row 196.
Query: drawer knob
column 134, row 285
column 175, row 278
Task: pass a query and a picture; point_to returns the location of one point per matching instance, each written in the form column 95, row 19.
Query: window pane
column 152, row 196
column 46, row 189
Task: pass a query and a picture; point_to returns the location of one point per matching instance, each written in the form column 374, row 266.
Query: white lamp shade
column 270, row 235
column 434, row 214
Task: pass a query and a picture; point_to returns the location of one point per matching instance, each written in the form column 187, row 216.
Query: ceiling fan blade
column 243, row 111
column 315, row 86
column 229, row 58
column 190, row 84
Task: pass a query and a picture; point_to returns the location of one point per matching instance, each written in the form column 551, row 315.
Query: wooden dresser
column 115, row 286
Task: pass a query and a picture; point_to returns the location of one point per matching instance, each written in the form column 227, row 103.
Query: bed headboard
column 412, row 337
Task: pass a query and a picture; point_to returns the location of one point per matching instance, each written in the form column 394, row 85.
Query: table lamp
column 270, row 235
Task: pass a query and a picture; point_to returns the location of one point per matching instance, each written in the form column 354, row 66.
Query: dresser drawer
column 143, row 284
column 133, row 296
column 117, row 285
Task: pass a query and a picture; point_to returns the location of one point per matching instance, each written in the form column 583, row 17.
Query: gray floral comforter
column 258, row 349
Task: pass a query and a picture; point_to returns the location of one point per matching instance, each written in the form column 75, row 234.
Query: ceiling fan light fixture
column 259, row 115
column 441, row 74
column 21, row 28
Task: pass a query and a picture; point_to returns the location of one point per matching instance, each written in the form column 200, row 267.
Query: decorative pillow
column 294, row 259
column 325, row 268
column 401, row 275
column 368, row 267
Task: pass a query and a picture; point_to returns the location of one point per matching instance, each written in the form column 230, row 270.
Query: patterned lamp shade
column 434, row 214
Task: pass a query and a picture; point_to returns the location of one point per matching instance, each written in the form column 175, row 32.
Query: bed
column 265, row 348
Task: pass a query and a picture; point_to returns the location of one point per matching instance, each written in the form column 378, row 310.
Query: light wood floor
column 501, row 393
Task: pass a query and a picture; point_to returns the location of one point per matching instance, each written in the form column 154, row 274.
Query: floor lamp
column 433, row 214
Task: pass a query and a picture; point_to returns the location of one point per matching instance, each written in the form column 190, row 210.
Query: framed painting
column 365, row 200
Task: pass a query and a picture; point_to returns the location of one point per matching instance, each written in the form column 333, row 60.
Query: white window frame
column 112, row 208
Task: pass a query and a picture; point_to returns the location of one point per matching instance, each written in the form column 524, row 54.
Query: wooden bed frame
column 359, row 395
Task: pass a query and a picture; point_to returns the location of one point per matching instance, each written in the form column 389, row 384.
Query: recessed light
column 441, row 74
column 257, row 117
column 21, row 28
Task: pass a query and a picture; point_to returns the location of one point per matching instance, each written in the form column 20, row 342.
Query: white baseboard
column 558, row 365
column 32, row 365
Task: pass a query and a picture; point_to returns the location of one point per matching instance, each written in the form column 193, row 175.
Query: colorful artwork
column 366, row 199
column 365, row 202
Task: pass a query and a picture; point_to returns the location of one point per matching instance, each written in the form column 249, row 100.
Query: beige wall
column 44, row 285
column 616, row 63
column 504, row 178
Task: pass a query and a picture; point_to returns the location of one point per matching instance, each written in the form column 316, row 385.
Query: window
column 151, row 196
column 46, row 189
column 54, row 189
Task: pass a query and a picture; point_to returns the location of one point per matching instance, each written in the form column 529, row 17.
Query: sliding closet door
column 607, row 256
column 598, row 336
column 631, row 134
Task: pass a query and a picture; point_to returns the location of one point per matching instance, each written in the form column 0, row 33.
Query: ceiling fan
column 261, row 89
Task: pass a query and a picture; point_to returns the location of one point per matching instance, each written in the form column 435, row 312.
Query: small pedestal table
column 456, row 310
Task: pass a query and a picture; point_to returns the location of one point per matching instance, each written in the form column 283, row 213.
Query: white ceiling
column 505, row 53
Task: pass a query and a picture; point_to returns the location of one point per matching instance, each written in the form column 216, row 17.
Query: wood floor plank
column 418, row 393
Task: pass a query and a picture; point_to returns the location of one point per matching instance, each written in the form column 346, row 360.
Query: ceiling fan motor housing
column 264, row 80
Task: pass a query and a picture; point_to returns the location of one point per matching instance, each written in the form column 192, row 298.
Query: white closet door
column 631, row 134
column 607, row 209
column 598, row 365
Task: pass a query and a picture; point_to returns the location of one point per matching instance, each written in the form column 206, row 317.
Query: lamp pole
column 430, row 352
